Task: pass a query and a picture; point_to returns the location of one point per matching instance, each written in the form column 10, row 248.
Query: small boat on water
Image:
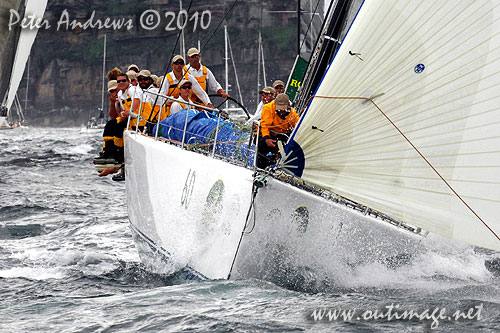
column 398, row 138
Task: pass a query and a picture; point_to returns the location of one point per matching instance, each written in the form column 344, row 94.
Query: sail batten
column 426, row 149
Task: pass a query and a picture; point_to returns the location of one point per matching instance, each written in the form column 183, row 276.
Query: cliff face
column 66, row 64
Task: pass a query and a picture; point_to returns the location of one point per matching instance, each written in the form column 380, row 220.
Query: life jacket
column 126, row 105
column 173, row 91
column 272, row 125
column 202, row 80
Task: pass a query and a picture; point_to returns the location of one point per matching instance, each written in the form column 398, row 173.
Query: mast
column 103, row 75
column 263, row 62
column 258, row 69
column 298, row 26
column 324, row 50
column 182, row 43
column 234, row 69
column 27, row 86
column 226, row 60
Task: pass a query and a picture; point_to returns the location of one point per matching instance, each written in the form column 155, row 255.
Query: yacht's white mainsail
column 426, row 147
column 26, row 40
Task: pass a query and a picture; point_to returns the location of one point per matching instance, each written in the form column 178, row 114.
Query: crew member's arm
column 266, row 123
column 200, row 93
column 257, row 115
column 165, row 87
column 213, row 85
column 113, row 111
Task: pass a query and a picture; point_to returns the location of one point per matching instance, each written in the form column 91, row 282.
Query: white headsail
column 425, row 146
column 26, row 40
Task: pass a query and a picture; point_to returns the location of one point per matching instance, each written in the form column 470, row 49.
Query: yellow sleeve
column 295, row 118
column 266, row 119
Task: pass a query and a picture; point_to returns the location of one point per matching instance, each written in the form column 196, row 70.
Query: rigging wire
column 309, row 26
column 168, row 65
column 255, row 189
column 175, row 46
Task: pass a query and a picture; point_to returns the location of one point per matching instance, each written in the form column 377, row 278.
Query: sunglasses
column 179, row 63
column 120, row 81
column 143, row 79
column 186, row 87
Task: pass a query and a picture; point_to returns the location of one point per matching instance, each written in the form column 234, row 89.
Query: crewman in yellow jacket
column 203, row 75
column 170, row 85
column 185, row 87
column 277, row 122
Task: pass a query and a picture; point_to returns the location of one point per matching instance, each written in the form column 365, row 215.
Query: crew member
column 134, row 68
column 145, row 96
column 267, row 95
column 184, row 92
column 279, row 86
column 155, row 80
column 132, row 76
column 171, row 80
column 203, row 75
column 277, row 123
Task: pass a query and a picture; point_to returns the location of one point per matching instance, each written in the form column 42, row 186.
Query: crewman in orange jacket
column 277, row 122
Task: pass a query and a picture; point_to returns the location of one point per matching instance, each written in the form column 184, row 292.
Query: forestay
column 426, row 147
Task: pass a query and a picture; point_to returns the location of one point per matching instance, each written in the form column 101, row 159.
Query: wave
column 21, row 231
column 18, row 211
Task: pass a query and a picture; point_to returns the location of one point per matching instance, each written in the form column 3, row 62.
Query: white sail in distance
column 425, row 148
column 26, row 40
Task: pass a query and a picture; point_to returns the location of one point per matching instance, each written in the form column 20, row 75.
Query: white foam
column 33, row 273
column 82, row 149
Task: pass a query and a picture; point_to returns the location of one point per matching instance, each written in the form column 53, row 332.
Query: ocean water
column 68, row 264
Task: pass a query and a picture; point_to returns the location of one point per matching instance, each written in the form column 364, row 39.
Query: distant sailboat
column 98, row 124
column 15, row 52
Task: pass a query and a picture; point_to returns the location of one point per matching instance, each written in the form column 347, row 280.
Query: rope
column 255, row 189
column 421, row 155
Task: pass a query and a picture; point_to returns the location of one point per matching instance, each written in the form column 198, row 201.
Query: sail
column 26, row 40
column 8, row 43
column 408, row 120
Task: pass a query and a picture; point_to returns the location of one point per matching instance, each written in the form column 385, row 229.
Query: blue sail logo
column 419, row 68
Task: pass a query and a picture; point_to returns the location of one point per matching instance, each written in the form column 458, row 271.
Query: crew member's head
column 185, row 88
column 144, row 78
column 155, row 80
column 134, row 68
column 279, row 86
column 193, row 55
column 268, row 94
column 112, row 85
column 132, row 77
column 178, row 63
column 123, row 81
column 282, row 105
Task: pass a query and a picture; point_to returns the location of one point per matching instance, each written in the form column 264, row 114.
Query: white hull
column 189, row 210
column 4, row 124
